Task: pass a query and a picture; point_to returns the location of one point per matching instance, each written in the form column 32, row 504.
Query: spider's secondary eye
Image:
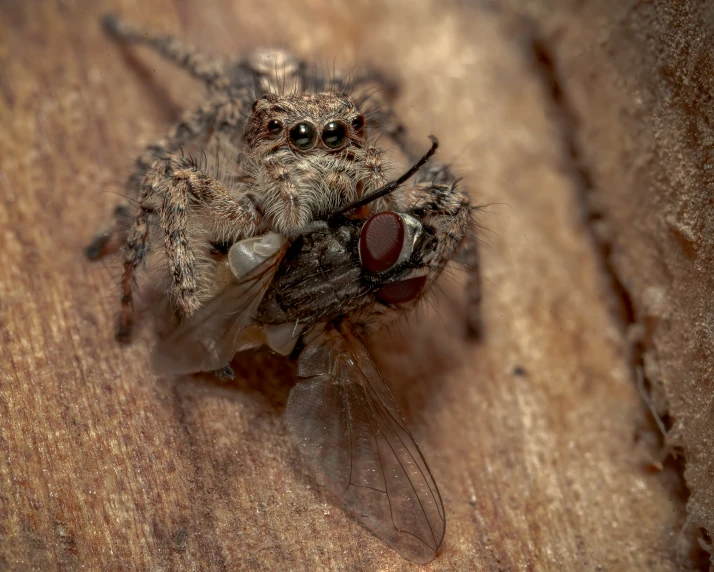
column 303, row 136
column 358, row 123
column 334, row 134
column 381, row 241
column 274, row 126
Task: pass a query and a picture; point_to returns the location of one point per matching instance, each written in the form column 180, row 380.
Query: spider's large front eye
column 274, row 126
column 334, row 134
column 303, row 136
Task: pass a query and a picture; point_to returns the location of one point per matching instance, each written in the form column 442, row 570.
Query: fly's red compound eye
column 402, row 291
column 381, row 241
column 380, row 247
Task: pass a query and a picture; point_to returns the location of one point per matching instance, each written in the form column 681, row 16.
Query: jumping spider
column 267, row 216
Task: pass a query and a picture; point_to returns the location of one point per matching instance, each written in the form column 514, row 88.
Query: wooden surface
column 637, row 98
column 537, row 436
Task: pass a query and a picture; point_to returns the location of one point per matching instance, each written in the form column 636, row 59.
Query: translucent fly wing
column 208, row 340
column 351, row 432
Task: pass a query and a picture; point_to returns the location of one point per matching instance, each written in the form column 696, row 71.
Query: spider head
column 306, row 154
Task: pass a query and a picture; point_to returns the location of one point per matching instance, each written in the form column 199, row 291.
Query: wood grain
column 636, row 95
column 537, row 436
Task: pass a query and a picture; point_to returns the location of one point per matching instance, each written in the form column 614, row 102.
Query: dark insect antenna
column 391, row 186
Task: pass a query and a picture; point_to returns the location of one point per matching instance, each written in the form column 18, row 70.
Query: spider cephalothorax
column 309, row 154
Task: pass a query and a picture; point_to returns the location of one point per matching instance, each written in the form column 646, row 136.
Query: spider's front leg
column 175, row 190
column 441, row 205
column 223, row 114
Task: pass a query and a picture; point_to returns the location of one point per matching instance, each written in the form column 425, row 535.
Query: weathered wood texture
column 537, row 436
column 637, row 81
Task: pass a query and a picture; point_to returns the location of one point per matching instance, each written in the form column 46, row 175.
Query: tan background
column 581, row 124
